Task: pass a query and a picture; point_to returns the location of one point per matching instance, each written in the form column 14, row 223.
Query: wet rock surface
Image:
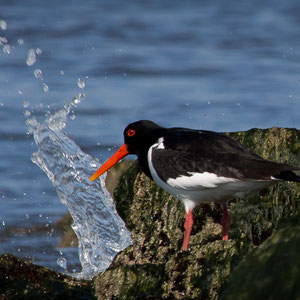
column 21, row 279
column 272, row 271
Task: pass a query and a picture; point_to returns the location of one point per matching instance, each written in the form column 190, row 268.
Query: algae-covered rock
column 155, row 266
column 272, row 271
column 21, row 279
column 68, row 236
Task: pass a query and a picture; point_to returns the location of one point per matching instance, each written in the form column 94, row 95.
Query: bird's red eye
column 131, row 132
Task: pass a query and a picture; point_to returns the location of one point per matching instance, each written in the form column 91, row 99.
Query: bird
column 198, row 166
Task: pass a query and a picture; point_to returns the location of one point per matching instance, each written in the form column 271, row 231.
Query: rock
column 68, row 236
column 272, row 271
column 21, row 279
column 155, row 267
column 113, row 175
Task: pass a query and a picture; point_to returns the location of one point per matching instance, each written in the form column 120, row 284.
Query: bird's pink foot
column 188, row 225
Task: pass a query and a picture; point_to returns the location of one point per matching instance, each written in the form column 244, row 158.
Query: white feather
column 198, row 181
column 160, row 143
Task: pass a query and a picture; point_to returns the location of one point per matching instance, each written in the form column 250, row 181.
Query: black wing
column 194, row 151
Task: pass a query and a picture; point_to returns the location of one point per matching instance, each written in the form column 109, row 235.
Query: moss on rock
column 272, row 271
column 21, row 279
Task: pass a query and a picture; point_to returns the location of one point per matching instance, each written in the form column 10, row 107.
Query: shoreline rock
column 21, row 279
column 272, row 271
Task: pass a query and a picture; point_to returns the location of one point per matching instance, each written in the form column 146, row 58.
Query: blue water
column 214, row 65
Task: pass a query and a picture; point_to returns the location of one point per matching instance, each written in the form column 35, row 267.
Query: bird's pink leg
column 188, row 228
column 225, row 222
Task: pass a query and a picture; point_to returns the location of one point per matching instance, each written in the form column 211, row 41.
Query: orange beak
column 122, row 152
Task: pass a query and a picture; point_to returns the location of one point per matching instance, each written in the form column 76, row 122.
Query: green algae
column 21, row 279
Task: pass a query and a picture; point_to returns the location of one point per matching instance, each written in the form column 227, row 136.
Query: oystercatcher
column 198, row 166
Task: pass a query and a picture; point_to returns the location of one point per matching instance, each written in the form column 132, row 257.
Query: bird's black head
column 138, row 138
column 141, row 135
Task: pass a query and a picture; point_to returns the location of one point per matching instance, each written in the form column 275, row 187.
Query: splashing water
column 101, row 232
column 31, row 58
column 62, row 262
column 80, row 83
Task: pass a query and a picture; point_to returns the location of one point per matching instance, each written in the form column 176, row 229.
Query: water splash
column 80, row 83
column 31, row 58
column 38, row 74
column 62, row 262
column 3, row 25
column 101, row 232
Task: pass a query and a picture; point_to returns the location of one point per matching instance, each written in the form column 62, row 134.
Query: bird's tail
column 289, row 176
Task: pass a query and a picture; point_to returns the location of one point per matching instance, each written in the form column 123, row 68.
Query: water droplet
column 72, row 117
column 238, row 103
column 25, row 104
column 80, row 83
column 20, row 41
column 38, row 51
column 77, row 99
column 3, row 223
column 38, row 73
column 3, row 40
column 62, row 72
column 45, row 87
column 20, row 92
column 27, row 216
column 6, row 49
column 62, row 262
column 31, row 58
column 27, row 113
column 3, row 25
column 208, row 102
